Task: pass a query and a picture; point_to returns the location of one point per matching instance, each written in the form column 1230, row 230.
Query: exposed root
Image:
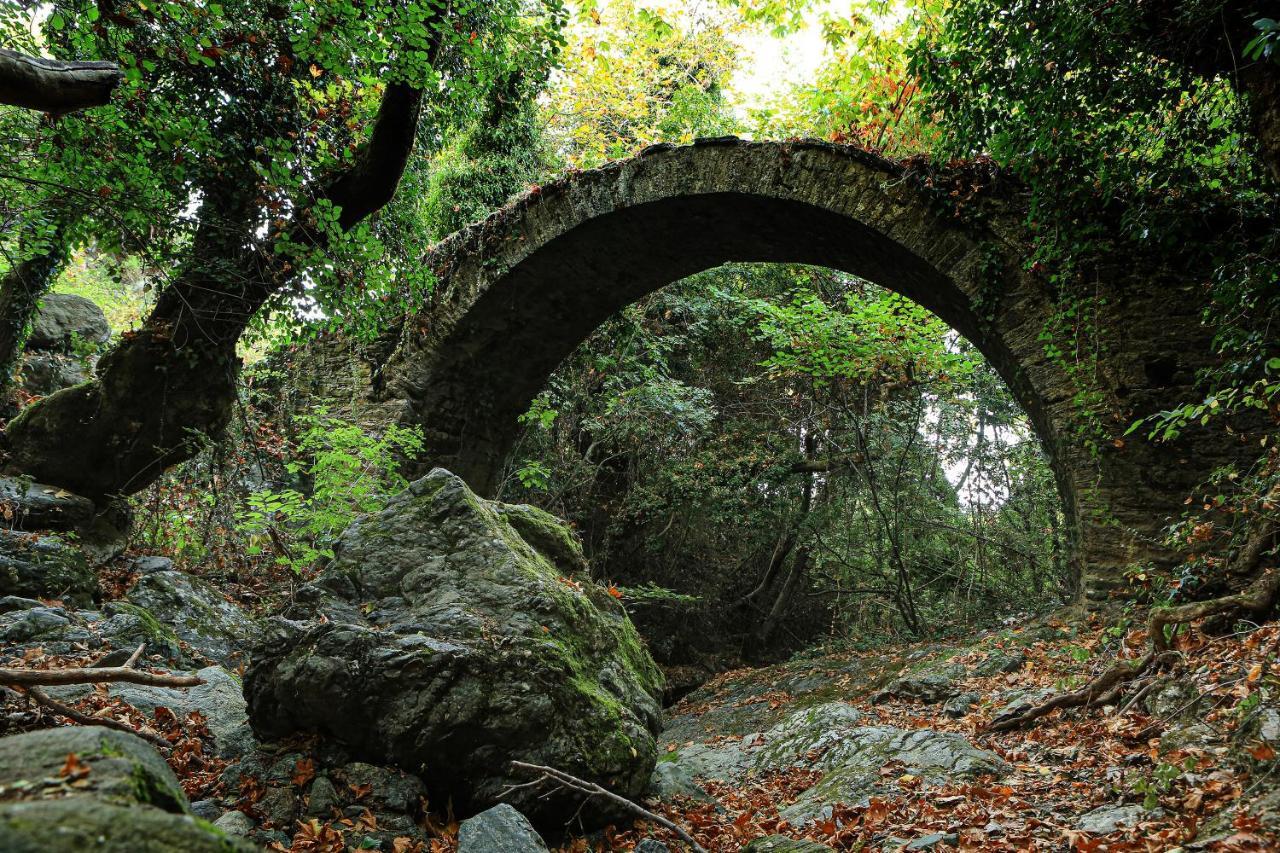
column 1257, row 599
column 573, row 783
column 1103, row 690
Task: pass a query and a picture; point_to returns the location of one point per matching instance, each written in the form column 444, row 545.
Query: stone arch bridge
column 519, row 291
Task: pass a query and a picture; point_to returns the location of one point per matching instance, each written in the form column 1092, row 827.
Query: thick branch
column 591, row 789
column 26, row 681
column 53, row 86
column 372, row 180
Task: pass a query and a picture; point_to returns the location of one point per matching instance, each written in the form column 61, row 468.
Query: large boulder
column 449, row 637
column 63, row 318
column 91, row 788
column 44, row 567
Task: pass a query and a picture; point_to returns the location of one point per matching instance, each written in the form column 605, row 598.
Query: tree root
column 573, row 783
column 1258, row 599
column 29, row 681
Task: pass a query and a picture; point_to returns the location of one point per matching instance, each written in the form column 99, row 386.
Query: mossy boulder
column 64, row 319
column 196, row 612
column 76, row 825
column 449, row 636
column 121, row 767
column 117, row 796
column 44, row 567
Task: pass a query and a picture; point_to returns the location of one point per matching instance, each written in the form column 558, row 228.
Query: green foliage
column 676, row 441
column 634, row 76
column 350, row 472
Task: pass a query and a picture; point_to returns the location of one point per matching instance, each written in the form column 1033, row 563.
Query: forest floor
column 1188, row 762
column 1192, row 764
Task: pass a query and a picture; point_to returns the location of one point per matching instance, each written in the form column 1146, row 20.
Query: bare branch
column 89, row 675
column 42, row 698
column 573, row 783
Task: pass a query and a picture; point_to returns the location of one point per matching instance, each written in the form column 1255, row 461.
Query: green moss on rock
column 454, row 639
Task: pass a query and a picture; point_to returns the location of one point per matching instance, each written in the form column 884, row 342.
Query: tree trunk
column 20, row 292
column 168, row 388
column 56, row 87
column 164, row 389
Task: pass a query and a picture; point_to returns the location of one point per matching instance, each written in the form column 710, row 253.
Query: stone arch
column 519, row 291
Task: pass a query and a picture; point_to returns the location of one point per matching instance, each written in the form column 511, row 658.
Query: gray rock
column 651, row 845
column 500, row 829
column 928, row 842
column 235, row 823
column 127, row 625
column 1105, row 820
column 43, row 373
column 440, row 636
column 13, row 603
column 959, row 706
column 44, row 567
column 852, row 755
column 1174, row 699
column 834, row 738
column 323, row 798
column 149, row 565
column 1019, row 701
column 931, row 685
column 36, row 506
column 77, row 824
column 62, row 318
column 998, row 662
column 1269, row 724
column 209, row 810
column 389, row 789
column 198, row 614
column 671, row 780
column 122, row 768
column 45, row 624
column 220, row 699
column 1188, row 734
column 278, row 805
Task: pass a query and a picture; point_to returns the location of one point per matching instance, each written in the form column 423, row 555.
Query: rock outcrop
column 449, row 636
column 44, row 567
column 75, row 789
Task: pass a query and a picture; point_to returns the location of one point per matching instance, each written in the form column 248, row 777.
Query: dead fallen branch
column 29, row 681
column 590, row 789
column 41, row 698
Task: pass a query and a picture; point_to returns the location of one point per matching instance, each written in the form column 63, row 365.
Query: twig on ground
column 573, row 783
column 29, row 681
column 41, row 698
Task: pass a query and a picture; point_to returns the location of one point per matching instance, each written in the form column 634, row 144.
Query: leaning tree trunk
column 53, row 86
column 169, row 387
column 165, row 387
